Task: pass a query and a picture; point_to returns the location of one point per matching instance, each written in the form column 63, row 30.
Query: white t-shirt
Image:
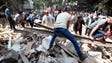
column 44, row 18
column 48, row 18
column 99, row 23
column 18, row 18
column 61, row 20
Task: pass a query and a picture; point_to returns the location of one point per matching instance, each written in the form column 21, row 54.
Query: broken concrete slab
column 45, row 44
column 24, row 58
column 95, row 54
column 9, row 54
column 90, row 59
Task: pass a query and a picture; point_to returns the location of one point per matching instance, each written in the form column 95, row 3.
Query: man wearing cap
column 61, row 27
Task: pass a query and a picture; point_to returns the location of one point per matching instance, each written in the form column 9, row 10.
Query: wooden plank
column 28, row 47
column 84, row 39
column 38, row 29
column 24, row 59
column 44, row 26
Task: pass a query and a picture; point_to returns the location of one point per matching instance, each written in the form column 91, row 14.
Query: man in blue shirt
column 8, row 13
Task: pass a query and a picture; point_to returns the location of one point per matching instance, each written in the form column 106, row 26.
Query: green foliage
column 46, row 3
column 40, row 3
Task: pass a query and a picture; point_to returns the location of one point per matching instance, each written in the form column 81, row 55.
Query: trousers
column 68, row 35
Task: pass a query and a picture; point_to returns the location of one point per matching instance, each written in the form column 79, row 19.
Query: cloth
column 69, row 36
column 8, row 12
column 62, row 19
column 99, row 23
column 79, row 25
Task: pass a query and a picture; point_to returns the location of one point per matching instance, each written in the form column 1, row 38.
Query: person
column 8, row 14
column 78, row 25
column 45, row 19
column 98, row 27
column 20, row 19
column 61, row 27
column 48, row 19
column 89, row 21
column 31, row 19
column 109, row 34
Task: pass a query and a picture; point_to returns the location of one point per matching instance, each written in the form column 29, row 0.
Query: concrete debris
column 46, row 59
column 95, row 54
column 32, row 47
column 10, row 55
column 66, row 58
column 45, row 44
column 90, row 59
column 25, row 60
column 9, row 43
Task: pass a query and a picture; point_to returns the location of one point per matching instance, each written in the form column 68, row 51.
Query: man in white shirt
column 20, row 19
column 47, row 19
column 61, row 27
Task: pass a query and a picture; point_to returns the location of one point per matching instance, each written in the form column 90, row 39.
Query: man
column 61, row 27
column 78, row 25
column 20, row 19
column 97, row 28
column 48, row 18
column 89, row 21
column 31, row 19
column 8, row 13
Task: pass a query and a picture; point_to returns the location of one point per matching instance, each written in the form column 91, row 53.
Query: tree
column 46, row 3
column 16, row 4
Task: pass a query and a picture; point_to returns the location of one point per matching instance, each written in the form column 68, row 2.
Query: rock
column 85, row 47
column 68, row 59
column 43, row 58
column 70, row 47
column 90, row 59
column 45, row 44
column 10, row 56
column 95, row 54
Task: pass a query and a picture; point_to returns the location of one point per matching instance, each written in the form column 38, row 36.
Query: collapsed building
column 30, row 46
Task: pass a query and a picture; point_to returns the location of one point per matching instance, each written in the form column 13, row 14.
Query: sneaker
column 83, row 57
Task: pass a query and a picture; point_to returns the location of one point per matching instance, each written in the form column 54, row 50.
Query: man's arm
column 93, row 30
column 68, row 23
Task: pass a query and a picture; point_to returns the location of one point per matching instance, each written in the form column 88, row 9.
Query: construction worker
column 61, row 27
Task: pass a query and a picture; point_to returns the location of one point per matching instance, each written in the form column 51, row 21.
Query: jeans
column 99, row 34
column 87, row 32
column 69, row 36
column 31, row 23
column 12, row 23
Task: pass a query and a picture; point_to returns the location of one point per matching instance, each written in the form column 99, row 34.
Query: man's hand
column 91, row 37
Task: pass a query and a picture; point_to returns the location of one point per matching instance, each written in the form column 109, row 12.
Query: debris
column 9, row 43
column 31, row 45
column 25, row 60
column 95, row 54
column 28, row 47
column 45, row 44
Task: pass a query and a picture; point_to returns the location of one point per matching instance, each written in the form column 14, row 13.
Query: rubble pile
column 33, row 47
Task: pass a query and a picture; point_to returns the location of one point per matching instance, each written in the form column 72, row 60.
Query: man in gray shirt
column 96, row 32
